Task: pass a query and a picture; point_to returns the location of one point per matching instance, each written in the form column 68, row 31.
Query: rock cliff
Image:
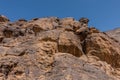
column 56, row 49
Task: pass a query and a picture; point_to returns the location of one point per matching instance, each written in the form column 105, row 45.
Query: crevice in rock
column 1, row 39
column 18, row 72
column 7, row 32
column 6, row 69
column 48, row 39
column 70, row 49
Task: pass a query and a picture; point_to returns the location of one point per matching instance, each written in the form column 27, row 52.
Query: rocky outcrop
column 115, row 34
column 68, row 67
column 57, row 49
column 3, row 19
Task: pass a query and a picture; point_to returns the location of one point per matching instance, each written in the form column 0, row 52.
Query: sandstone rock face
column 57, row 49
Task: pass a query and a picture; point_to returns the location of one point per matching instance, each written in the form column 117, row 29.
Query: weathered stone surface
column 68, row 67
column 57, row 49
column 3, row 18
column 70, row 43
column 103, row 47
column 115, row 34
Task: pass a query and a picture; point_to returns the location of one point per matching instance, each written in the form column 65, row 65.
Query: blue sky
column 103, row 14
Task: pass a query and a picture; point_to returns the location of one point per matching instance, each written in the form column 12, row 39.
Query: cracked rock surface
column 56, row 49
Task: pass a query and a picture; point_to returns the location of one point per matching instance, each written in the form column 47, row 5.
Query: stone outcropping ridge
column 56, row 49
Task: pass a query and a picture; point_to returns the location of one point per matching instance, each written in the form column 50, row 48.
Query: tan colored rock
column 97, row 45
column 70, row 43
column 68, row 67
column 3, row 18
column 67, row 21
column 50, row 49
column 93, row 30
column 114, row 34
column 44, row 23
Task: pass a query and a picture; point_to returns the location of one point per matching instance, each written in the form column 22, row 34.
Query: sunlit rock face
column 115, row 34
column 56, row 49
